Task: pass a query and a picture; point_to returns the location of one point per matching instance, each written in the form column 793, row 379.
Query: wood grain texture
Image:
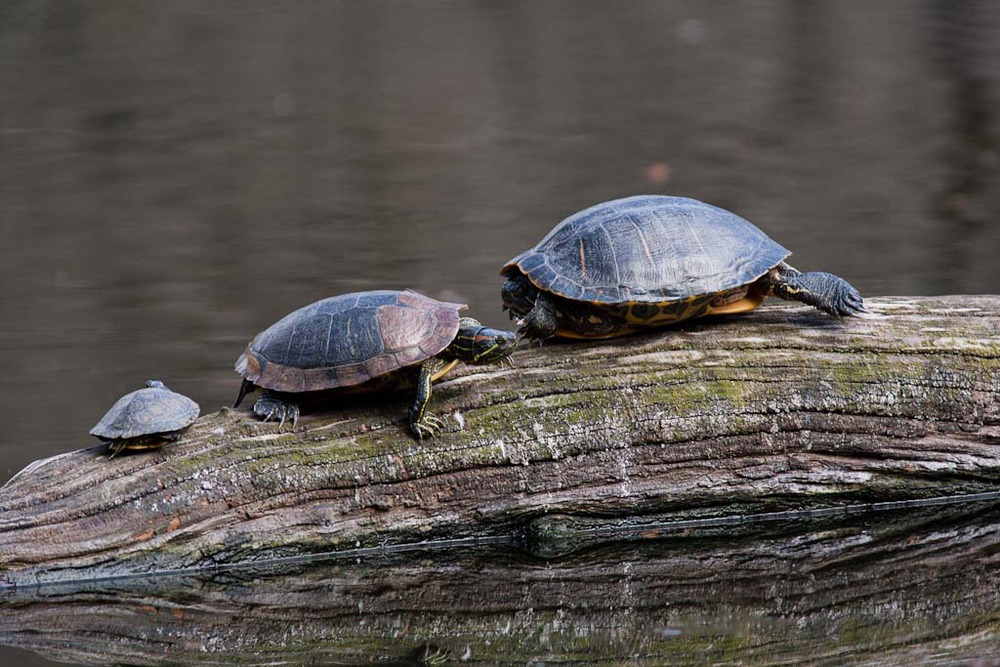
column 781, row 408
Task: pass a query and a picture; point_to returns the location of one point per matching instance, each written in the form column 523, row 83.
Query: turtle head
column 518, row 294
column 476, row 344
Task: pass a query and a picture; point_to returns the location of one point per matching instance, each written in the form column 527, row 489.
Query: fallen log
column 778, row 409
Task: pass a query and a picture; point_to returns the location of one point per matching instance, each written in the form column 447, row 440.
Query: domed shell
column 349, row 339
column 153, row 409
column 648, row 249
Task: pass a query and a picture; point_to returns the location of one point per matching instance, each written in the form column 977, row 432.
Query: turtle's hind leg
column 245, row 388
column 826, row 291
column 270, row 407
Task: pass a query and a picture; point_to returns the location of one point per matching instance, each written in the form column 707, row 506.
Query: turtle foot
column 431, row 654
column 270, row 408
column 540, row 322
column 427, row 426
column 845, row 300
column 531, row 329
column 835, row 295
column 826, row 291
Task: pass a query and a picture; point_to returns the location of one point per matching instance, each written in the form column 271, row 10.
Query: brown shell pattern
column 349, row 339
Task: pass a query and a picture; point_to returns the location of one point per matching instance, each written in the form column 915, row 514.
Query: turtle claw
column 427, row 427
column 843, row 299
column 288, row 412
column 273, row 409
column 851, row 302
column 434, row 655
column 535, row 329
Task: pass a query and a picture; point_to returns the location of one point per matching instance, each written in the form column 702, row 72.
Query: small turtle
column 146, row 418
column 650, row 260
column 365, row 341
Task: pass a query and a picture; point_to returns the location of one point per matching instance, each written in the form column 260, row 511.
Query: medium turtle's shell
column 648, row 249
column 349, row 339
column 154, row 409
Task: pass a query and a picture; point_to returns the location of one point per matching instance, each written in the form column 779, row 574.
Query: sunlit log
column 781, row 408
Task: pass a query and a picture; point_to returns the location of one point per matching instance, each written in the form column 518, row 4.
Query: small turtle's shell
column 348, row 340
column 648, row 249
column 152, row 410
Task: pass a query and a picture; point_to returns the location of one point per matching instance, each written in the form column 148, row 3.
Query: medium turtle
column 650, row 260
column 365, row 341
column 146, row 418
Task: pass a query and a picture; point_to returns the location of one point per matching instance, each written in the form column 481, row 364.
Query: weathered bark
column 782, row 408
column 887, row 588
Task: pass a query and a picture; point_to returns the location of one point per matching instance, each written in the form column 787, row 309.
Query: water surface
column 176, row 176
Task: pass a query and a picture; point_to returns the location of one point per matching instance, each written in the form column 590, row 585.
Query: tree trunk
column 782, row 408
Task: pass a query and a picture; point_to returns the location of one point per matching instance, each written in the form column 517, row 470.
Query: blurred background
column 177, row 175
column 174, row 176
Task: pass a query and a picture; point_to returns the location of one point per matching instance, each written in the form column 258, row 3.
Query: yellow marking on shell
column 138, row 446
column 116, row 447
column 634, row 316
column 444, row 371
column 747, row 303
column 583, row 260
column 569, row 333
column 645, row 246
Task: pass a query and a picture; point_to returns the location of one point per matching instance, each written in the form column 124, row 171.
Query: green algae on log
column 781, row 408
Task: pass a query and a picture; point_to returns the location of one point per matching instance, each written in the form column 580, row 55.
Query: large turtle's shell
column 152, row 410
column 349, row 339
column 648, row 249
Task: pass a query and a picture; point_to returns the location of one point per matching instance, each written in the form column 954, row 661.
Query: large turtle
column 364, row 341
column 650, row 260
column 146, row 418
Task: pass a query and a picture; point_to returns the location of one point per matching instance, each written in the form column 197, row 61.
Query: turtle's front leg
column 116, row 447
column 826, row 291
column 425, row 424
column 542, row 321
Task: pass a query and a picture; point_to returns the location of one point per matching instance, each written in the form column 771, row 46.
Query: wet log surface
column 782, row 408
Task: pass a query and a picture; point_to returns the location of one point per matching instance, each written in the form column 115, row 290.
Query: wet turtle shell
column 349, row 340
column 648, row 249
column 146, row 418
column 639, row 262
column 364, row 341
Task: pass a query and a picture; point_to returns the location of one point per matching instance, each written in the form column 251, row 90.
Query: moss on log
column 782, row 408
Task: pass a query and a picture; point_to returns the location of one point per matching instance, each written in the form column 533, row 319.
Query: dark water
column 176, row 175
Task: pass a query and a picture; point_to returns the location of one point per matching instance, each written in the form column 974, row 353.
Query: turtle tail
column 245, row 388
